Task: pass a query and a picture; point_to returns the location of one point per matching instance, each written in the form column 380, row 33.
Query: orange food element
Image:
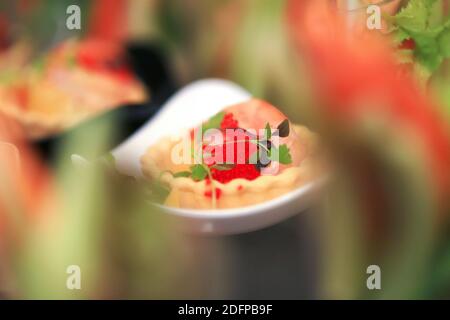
column 352, row 69
column 28, row 181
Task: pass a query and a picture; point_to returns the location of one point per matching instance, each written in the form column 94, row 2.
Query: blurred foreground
column 384, row 123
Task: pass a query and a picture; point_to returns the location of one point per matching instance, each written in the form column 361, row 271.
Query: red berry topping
column 208, row 193
column 228, row 121
column 408, row 44
column 239, row 171
column 238, row 142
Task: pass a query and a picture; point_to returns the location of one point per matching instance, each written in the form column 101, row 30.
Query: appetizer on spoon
column 195, row 104
column 246, row 154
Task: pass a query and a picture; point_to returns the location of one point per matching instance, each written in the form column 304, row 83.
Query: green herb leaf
column 418, row 21
column 268, row 131
column 399, row 35
column 444, row 43
column 214, row 122
column 414, row 16
column 180, row 174
column 281, row 154
column 223, row 167
column 199, row 172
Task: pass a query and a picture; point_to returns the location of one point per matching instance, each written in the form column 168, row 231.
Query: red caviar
column 239, row 171
column 228, row 121
column 235, row 141
column 238, row 145
column 208, row 193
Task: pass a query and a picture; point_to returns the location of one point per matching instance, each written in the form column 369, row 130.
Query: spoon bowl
column 190, row 106
column 187, row 108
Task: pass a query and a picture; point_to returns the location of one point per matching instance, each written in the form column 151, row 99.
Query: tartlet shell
column 37, row 126
column 187, row 193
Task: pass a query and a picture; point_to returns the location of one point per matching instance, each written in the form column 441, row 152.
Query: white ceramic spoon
column 187, row 108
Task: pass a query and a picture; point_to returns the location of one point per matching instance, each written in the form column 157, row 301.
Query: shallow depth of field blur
column 380, row 105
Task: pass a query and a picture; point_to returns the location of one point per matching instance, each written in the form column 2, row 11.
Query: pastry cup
column 187, row 193
column 36, row 125
column 54, row 108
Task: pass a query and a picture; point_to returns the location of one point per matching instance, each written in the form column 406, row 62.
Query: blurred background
column 380, row 100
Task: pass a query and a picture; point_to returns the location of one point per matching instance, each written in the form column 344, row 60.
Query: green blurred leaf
column 281, row 154
column 199, row 172
column 182, row 174
column 414, row 16
column 213, row 122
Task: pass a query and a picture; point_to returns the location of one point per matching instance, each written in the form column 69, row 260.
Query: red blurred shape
column 108, row 20
column 350, row 70
column 27, row 181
